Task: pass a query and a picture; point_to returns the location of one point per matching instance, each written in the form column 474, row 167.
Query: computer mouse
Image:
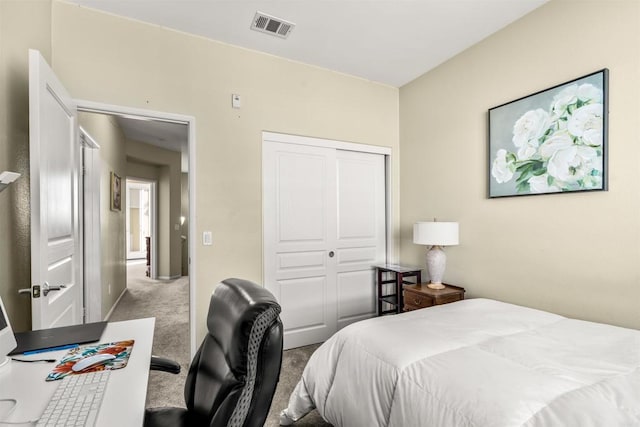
column 87, row 362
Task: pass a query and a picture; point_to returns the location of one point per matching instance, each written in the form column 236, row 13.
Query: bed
column 476, row 362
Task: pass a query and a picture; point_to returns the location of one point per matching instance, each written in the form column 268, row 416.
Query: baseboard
column 170, row 277
column 115, row 304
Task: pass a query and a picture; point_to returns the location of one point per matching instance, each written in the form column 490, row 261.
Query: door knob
column 46, row 288
column 24, row 291
column 331, row 254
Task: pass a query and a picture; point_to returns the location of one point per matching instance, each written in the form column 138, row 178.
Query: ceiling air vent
column 272, row 25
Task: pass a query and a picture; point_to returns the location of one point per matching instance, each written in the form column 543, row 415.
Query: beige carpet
column 293, row 363
column 168, row 302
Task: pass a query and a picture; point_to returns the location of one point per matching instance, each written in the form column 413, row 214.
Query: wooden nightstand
column 419, row 296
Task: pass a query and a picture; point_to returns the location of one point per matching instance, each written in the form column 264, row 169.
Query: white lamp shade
column 435, row 233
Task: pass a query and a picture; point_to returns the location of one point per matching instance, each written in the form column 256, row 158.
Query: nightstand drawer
column 421, row 296
column 409, row 307
column 417, row 300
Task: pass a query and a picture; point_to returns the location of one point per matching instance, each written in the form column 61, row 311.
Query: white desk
column 124, row 400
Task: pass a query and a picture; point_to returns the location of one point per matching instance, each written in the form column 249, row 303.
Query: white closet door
column 298, row 202
column 324, row 227
column 360, row 233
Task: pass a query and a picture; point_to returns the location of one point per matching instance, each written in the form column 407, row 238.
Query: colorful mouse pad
column 120, row 349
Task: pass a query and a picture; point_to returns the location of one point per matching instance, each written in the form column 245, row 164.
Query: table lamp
column 436, row 234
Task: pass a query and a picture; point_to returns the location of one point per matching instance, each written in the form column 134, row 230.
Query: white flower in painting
column 589, row 93
column 592, row 137
column 526, row 151
column 502, row 169
column 573, row 163
column 586, row 123
column 559, row 140
column 540, row 184
column 562, row 100
column 528, row 130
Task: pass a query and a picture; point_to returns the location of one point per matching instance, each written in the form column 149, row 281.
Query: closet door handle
column 331, row 254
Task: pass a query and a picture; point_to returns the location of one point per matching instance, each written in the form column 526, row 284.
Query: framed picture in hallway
column 116, row 192
column 553, row 141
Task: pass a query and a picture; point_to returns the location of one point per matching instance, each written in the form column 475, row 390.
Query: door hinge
column 84, row 314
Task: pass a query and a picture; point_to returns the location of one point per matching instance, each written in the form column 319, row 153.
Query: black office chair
column 234, row 374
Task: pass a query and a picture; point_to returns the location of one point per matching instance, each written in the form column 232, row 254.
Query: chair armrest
column 164, row 365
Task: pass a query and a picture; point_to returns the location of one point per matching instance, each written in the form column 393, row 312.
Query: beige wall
column 574, row 254
column 169, row 176
column 136, row 169
column 23, row 25
column 106, row 131
column 108, row 59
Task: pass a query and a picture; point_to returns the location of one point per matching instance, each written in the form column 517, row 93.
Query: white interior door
column 138, row 217
column 56, row 256
column 324, row 227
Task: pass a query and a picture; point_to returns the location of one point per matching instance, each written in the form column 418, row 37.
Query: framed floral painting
column 554, row 141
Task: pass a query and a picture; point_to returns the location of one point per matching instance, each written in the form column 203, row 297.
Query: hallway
column 168, row 302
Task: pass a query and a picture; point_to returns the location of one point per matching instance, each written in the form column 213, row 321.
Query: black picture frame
column 116, row 192
column 554, row 141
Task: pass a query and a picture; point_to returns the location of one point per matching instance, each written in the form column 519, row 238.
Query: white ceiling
column 386, row 41
column 168, row 135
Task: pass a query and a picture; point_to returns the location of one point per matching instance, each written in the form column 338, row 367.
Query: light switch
column 207, row 238
column 236, row 101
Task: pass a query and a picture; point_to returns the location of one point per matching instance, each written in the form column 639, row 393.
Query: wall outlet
column 207, row 238
column 109, row 288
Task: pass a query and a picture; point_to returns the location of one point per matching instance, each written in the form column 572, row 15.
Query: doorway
column 132, row 243
column 49, row 205
column 139, row 212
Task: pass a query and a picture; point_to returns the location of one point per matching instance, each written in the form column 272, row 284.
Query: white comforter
column 478, row 363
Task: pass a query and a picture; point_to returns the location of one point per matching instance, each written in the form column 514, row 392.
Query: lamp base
column 436, row 262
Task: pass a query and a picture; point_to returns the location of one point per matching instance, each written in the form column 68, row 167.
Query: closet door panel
column 360, row 233
column 299, row 214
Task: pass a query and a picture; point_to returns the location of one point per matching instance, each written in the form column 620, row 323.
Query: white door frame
column 91, row 227
column 348, row 146
column 153, row 203
column 190, row 121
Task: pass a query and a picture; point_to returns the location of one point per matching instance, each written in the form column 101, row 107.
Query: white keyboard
column 76, row 401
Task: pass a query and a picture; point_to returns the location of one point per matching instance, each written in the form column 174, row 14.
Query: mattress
column 476, row 362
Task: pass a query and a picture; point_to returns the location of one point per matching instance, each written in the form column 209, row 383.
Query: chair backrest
column 234, row 374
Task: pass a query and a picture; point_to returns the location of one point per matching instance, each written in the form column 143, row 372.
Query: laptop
column 55, row 337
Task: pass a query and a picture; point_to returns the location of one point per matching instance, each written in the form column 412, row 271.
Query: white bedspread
column 475, row 362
